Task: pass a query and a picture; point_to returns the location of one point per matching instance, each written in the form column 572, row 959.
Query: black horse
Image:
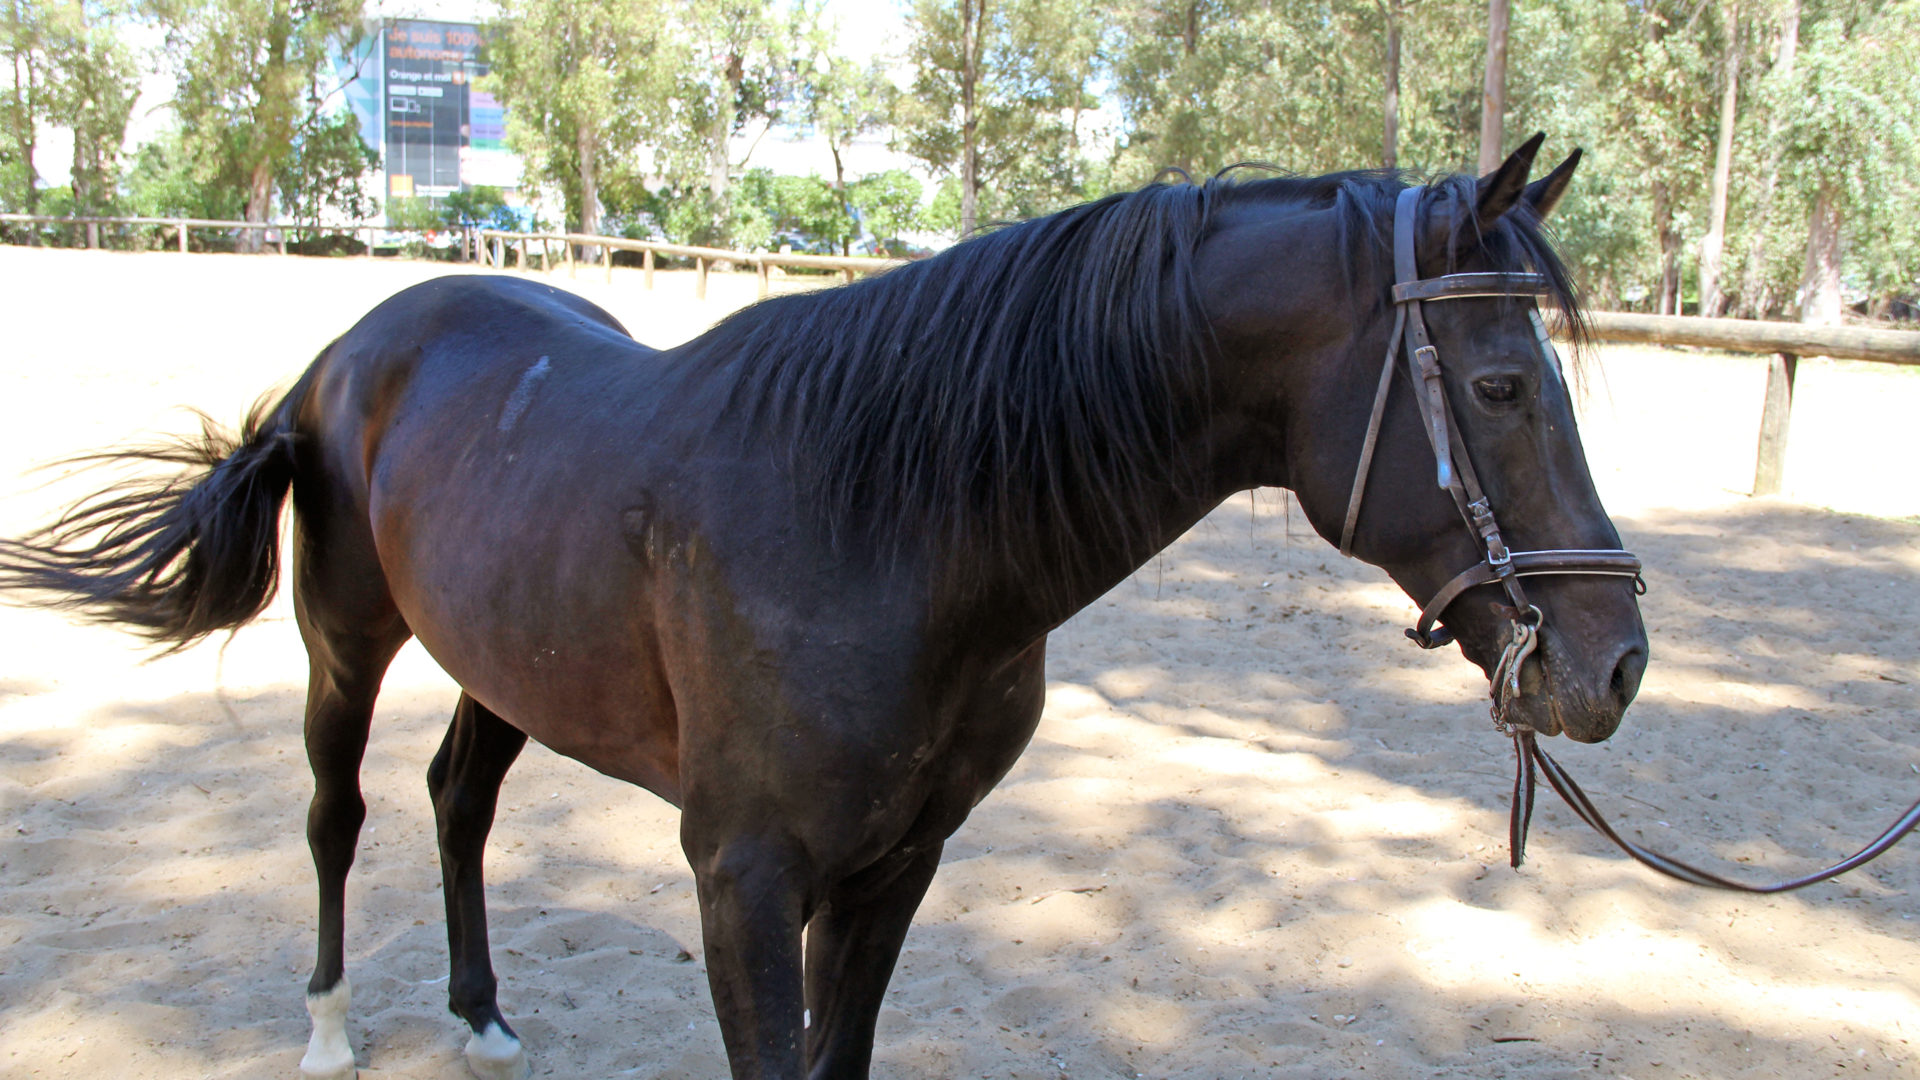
column 796, row 576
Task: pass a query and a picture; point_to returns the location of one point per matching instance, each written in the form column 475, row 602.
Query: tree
column 325, row 170
column 735, row 73
column 585, row 83
column 25, row 107
column 1000, row 87
column 1713, row 244
column 253, row 80
column 839, row 98
column 1307, row 85
column 94, row 81
column 169, row 179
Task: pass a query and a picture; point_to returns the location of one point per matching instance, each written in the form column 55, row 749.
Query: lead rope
column 1528, row 755
column 1531, row 754
column 1529, row 760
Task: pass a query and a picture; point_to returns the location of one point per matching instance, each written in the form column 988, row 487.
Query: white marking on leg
column 522, row 395
column 329, row 1054
column 493, row 1054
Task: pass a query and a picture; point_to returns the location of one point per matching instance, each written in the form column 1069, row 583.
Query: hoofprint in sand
column 1258, row 835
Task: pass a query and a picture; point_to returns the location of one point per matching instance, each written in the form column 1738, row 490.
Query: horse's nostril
column 1626, row 675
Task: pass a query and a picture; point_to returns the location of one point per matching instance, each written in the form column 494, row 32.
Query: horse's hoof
column 321, row 1067
column 493, row 1054
column 329, row 1055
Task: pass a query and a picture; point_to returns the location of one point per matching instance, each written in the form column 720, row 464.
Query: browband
column 1459, row 286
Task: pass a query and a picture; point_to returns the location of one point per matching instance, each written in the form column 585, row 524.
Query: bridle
column 1501, row 566
column 1454, row 467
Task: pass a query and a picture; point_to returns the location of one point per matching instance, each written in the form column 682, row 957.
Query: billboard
column 434, row 120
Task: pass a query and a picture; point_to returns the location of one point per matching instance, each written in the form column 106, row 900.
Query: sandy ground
column 1259, row 834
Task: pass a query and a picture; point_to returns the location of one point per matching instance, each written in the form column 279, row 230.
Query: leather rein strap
column 1500, row 566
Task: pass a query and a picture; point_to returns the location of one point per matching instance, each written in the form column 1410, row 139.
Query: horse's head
column 1472, row 452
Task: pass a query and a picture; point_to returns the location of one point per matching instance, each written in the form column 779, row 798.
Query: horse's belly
column 545, row 622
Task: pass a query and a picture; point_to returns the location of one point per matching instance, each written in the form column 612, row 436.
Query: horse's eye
column 1499, row 389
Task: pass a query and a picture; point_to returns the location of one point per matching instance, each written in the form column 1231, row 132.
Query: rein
column 1504, row 567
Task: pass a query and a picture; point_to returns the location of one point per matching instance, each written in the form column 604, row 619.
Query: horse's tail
column 175, row 556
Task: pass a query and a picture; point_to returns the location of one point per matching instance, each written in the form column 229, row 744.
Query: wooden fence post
column 606, row 253
column 522, row 263
column 700, row 279
column 766, row 276
column 646, row 265
column 93, row 235
column 1776, row 417
column 566, row 252
column 183, row 236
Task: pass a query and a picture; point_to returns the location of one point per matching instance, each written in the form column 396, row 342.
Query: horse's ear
column 1500, row 189
column 1544, row 194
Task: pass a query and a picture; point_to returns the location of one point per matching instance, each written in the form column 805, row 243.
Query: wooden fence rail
column 180, row 226
column 1787, row 342
column 494, row 245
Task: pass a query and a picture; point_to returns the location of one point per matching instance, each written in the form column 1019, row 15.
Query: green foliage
column 324, row 171
column 167, row 179
column 626, row 107
column 585, row 83
column 479, row 207
column 807, row 213
column 414, row 213
column 804, row 211
column 1014, row 87
column 253, row 86
column 888, row 205
column 69, row 67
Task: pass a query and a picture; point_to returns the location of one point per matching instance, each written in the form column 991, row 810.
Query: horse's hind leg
column 341, row 687
column 465, row 783
column 352, row 631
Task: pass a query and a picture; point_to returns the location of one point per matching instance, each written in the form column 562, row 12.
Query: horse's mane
column 985, row 398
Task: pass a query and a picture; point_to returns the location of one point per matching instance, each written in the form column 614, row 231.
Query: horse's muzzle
column 1583, row 698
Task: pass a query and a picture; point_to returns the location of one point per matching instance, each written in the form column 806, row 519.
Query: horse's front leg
column 753, row 903
column 853, row 943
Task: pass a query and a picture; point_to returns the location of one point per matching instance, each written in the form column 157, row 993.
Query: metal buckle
column 1498, row 556
column 1428, row 358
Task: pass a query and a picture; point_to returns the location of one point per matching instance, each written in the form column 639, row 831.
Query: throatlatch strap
column 1373, row 433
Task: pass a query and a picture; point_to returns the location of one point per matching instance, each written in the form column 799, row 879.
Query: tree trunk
column 1713, row 245
column 840, row 191
column 589, row 146
column 719, row 159
column 259, row 202
column 972, row 22
column 1493, row 97
column 1820, row 284
column 1390, row 141
column 26, row 109
column 1750, row 287
column 1666, row 300
column 273, row 121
